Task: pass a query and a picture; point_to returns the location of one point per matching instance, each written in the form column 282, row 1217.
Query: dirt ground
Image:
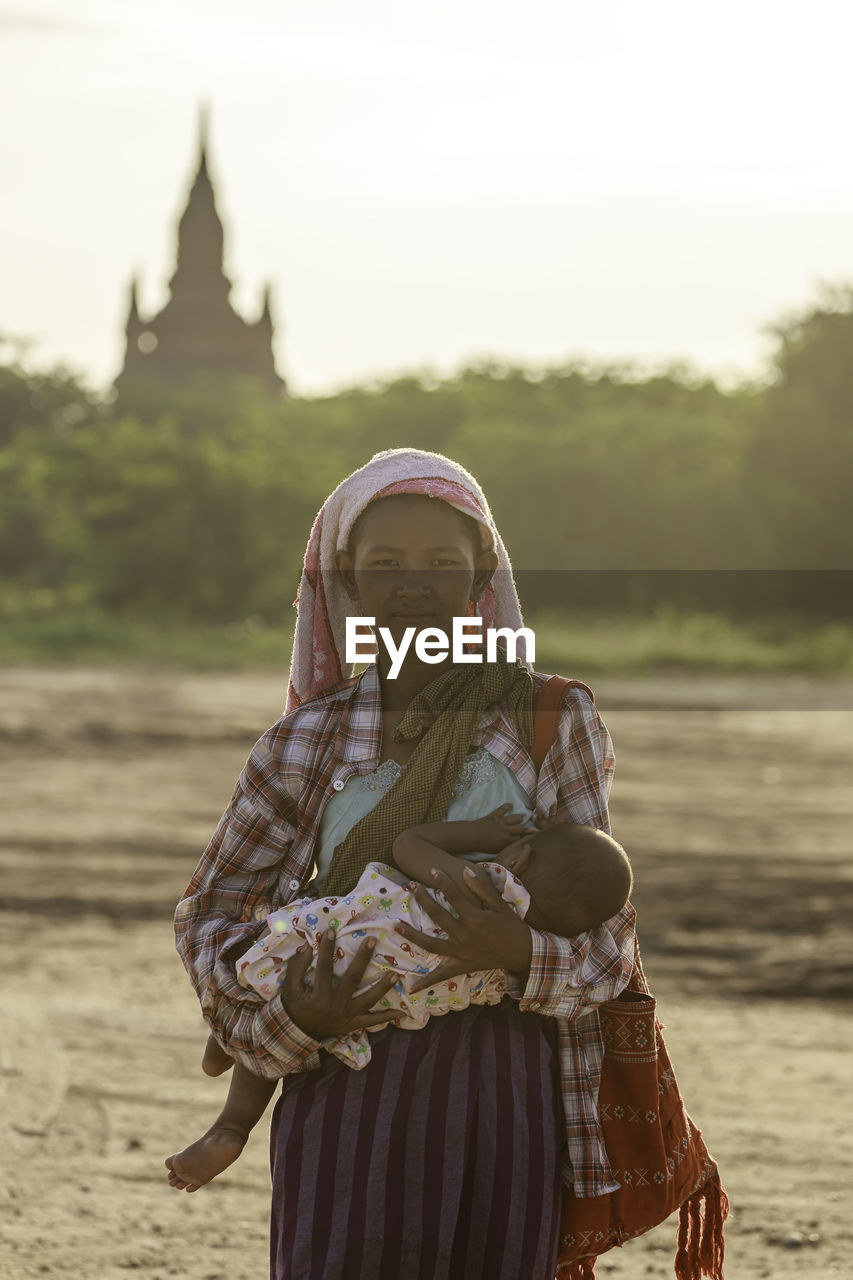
column 734, row 799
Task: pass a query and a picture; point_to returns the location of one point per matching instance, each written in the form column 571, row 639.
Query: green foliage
column 627, row 644
column 800, row 465
column 194, row 504
column 597, row 474
column 47, row 403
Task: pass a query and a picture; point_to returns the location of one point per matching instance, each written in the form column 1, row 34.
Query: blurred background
column 602, row 256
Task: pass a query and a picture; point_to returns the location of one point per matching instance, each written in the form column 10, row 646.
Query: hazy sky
column 427, row 184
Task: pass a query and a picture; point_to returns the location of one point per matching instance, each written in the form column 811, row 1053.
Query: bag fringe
column 701, row 1244
column 581, row 1269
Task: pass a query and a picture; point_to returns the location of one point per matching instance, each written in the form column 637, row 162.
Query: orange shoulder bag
column 656, row 1152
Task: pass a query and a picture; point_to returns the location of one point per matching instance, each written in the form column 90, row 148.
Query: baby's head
column 576, row 877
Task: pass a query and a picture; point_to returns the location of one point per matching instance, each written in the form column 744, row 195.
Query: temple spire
column 134, row 325
column 203, row 136
column 201, row 237
column 198, row 331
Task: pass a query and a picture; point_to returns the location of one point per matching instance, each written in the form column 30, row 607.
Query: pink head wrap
column 322, row 603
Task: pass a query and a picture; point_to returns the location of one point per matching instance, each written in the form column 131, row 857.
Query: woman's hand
column 487, row 934
column 331, row 1009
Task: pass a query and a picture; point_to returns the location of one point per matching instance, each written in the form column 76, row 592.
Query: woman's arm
column 223, row 911
column 569, row 975
column 550, row 974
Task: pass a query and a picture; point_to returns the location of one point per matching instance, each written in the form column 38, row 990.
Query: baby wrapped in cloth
column 379, row 900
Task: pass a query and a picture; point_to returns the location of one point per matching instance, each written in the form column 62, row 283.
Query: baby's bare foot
column 215, row 1061
column 201, row 1161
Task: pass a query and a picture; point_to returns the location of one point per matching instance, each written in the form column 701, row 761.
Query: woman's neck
column 412, row 677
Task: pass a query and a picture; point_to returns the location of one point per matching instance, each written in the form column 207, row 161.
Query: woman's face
column 414, row 563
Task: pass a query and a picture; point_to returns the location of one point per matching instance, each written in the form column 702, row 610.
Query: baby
column 560, row 878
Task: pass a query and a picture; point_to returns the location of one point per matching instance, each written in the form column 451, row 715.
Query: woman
column 443, row 1157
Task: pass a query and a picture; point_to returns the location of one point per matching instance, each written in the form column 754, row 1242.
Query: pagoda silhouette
column 198, row 332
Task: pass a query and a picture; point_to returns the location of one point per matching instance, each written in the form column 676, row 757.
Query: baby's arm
column 436, row 845
column 201, row 1161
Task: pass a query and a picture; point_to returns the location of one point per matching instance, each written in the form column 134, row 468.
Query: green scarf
column 444, row 715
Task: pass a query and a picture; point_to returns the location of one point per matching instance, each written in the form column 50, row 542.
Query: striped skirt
column 439, row 1160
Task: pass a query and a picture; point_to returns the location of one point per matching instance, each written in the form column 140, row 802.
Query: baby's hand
column 497, row 829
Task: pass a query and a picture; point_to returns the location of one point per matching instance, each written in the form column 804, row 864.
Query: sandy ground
column 734, row 799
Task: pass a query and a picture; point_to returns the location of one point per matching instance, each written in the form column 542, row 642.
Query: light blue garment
column 481, row 785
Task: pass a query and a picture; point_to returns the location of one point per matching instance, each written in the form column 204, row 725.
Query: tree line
column 611, row 491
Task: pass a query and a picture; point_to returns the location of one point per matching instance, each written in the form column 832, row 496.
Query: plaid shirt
column 261, row 857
